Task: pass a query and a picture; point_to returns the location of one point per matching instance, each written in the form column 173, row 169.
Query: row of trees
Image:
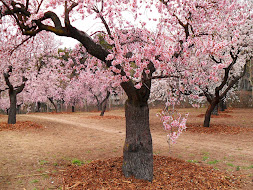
column 198, row 47
column 45, row 72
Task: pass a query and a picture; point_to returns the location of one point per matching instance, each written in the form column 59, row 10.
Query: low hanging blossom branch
column 173, row 122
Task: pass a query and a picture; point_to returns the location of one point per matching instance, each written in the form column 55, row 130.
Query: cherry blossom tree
column 181, row 30
column 14, row 68
column 217, row 55
column 93, row 83
column 19, row 59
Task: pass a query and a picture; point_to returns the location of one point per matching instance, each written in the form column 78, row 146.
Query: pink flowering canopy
column 87, row 81
column 182, row 40
column 31, row 59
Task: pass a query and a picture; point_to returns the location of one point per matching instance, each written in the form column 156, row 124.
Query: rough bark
column 138, row 151
column 209, row 111
column 12, row 110
column 215, row 110
column 73, row 108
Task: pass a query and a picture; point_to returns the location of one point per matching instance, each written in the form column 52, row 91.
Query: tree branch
column 67, row 11
column 20, row 44
column 95, row 9
column 39, row 6
column 235, row 80
column 22, row 86
column 227, row 70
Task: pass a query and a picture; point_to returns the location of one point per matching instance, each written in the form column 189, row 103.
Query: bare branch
column 95, row 9
column 39, row 6
column 213, row 58
column 27, row 4
column 67, row 11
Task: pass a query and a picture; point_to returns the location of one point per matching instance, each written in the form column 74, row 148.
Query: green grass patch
column 77, row 162
column 213, row 162
column 230, row 164
column 205, row 158
column 192, row 161
column 34, row 181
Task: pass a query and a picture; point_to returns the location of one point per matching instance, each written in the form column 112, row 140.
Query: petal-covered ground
column 169, row 173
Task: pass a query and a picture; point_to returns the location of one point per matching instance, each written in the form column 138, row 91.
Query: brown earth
column 47, row 152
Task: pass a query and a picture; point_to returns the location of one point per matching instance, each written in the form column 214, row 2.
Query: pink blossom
column 109, row 57
column 138, row 85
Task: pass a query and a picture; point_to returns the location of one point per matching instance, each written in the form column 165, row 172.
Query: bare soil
column 84, row 151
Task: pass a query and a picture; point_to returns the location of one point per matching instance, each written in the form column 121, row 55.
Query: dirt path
column 73, row 122
column 235, row 145
column 26, row 157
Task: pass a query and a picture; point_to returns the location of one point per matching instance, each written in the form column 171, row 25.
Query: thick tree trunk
column 138, row 151
column 215, row 110
column 12, row 111
column 73, row 108
column 208, row 113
